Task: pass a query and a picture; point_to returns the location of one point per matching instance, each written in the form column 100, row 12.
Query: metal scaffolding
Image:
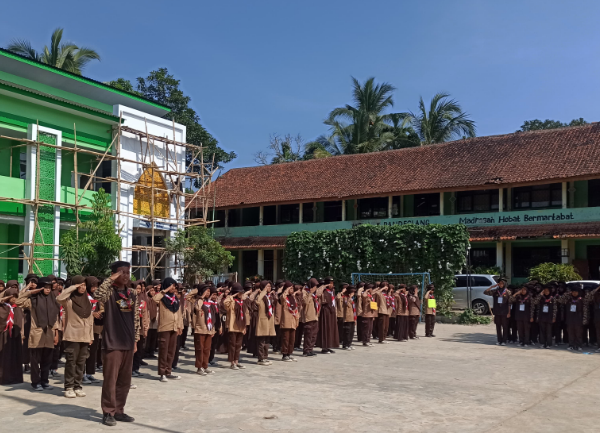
column 153, row 149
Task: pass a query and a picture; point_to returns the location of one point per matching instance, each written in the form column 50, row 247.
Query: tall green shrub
column 546, row 272
column 435, row 248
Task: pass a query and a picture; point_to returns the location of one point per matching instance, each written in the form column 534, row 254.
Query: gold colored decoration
column 142, row 197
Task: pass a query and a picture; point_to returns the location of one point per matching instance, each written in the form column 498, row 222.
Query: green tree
column 62, row 55
column 281, row 149
column 536, row 124
column 546, row 272
column 202, row 255
column 162, row 87
column 98, row 244
column 443, row 121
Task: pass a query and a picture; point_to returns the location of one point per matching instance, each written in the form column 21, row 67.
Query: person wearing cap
column 524, row 314
column 311, row 308
column 369, row 311
column 327, row 336
column 414, row 311
column 170, row 325
column 11, row 335
column 91, row 285
column 402, row 324
column 346, row 300
column 204, row 325
column 78, row 334
column 120, row 334
column 577, row 312
column 265, row 325
column 43, row 336
column 501, row 309
column 383, row 312
column 236, row 324
column 546, row 309
column 289, row 320
column 430, row 308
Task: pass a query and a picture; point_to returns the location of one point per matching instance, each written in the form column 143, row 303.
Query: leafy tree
column 536, row 124
column 546, row 272
column 281, row 149
column 443, row 121
column 162, row 87
column 202, row 255
column 98, row 244
column 62, row 55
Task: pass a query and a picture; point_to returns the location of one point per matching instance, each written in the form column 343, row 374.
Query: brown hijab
column 80, row 302
column 5, row 309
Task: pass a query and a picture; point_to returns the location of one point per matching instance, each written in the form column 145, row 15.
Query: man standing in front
column 119, row 336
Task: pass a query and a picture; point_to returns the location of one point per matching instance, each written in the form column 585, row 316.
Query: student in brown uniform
column 170, row 325
column 327, row 336
column 383, row 312
column 339, row 310
column 152, row 338
column 204, row 327
column 501, row 309
column 524, row 314
column 236, row 323
column 311, row 308
column 252, row 342
column 265, row 325
column 402, row 324
column 299, row 294
column 289, row 321
column 414, row 311
column 393, row 309
column 78, row 334
column 31, row 281
column 11, row 335
column 275, row 294
column 546, row 306
column 91, row 285
column 349, row 315
column 144, row 318
column 369, row 310
column 119, row 336
column 360, row 288
column 44, row 330
column 429, row 310
column 576, row 311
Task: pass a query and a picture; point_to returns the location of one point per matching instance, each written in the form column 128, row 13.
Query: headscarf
column 290, row 299
column 5, row 312
column 45, row 306
column 239, row 305
column 79, row 301
column 170, row 302
column 90, row 282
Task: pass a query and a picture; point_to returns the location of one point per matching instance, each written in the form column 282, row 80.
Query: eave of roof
column 77, row 84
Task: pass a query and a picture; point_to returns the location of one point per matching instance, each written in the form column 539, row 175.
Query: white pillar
column 500, row 255
column 500, row 199
column 261, row 263
column 565, row 191
column 275, row 276
column 441, row 203
column 508, row 264
column 261, row 213
column 564, row 245
column 300, row 210
column 343, row 210
column 390, row 206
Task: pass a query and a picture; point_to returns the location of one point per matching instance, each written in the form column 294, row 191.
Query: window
column 427, row 204
column 484, row 257
column 220, row 215
column 372, row 207
column 268, row 257
column 480, row 281
column 22, row 165
column 525, row 258
column 289, row 214
column 396, row 203
column 333, row 211
column 234, row 218
column 486, row 200
column 308, row 213
column 594, row 193
column 250, row 216
column 538, row 196
column 461, row 281
column 269, row 215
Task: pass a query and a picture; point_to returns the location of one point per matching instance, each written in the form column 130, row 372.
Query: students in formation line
column 560, row 312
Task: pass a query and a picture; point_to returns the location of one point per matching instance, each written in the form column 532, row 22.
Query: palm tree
column 67, row 55
column 444, row 121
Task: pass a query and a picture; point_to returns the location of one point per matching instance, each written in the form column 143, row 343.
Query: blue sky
column 254, row 68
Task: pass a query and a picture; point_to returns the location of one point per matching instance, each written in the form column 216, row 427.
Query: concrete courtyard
column 459, row 381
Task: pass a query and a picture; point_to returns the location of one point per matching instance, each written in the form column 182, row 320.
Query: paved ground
column 457, row 382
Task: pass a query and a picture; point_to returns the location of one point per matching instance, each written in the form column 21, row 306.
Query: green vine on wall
column 435, row 248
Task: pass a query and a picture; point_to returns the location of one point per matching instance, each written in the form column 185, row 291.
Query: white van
column 478, row 283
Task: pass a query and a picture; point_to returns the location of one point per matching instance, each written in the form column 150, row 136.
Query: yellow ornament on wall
column 142, row 196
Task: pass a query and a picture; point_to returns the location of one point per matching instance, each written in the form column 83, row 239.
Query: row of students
column 535, row 313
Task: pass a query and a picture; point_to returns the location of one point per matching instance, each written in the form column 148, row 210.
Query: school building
column 62, row 138
column 526, row 198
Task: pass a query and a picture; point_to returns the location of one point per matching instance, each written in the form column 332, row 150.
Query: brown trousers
column 116, row 368
column 90, row 363
column 546, row 333
column 575, row 335
column 501, row 328
column 234, row 346
column 202, row 343
column 167, row 345
column 383, row 321
column 348, row 334
column 413, row 322
column 288, row 337
column 402, row 328
column 429, row 324
column 367, row 329
column 75, row 354
column 263, row 347
column 310, row 335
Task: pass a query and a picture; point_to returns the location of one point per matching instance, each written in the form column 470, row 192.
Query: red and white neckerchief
column 332, row 297
column 393, row 303
column 269, row 307
column 62, row 313
column 353, row 308
column 142, row 307
column 290, row 309
column 317, row 304
column 404, row 300
column 388, row 300
column 208, row 316
column 170, row 298
column 93, row 301
column 10, row 321
column 241, row 305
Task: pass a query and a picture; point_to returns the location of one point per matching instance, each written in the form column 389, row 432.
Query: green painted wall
column 9, row 233
column 581, row 247
column 13, row 188
column 581, row 193
column 84, row 164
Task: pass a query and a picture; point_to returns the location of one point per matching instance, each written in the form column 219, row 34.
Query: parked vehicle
column 477, row 284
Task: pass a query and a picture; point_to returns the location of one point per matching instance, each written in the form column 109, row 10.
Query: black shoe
column 151, row 356
column 38, row 387
column 109, row 420
column 306, row 354
column 47, row 386
column 330, row 351
column 325, row 351
column 143, row 363
column 123, row 417
column 312, row 354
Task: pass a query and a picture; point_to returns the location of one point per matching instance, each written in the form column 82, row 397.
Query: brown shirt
column 402, row 304
column 289, row 319
column 232, row 323
column 38, row 337
column 167, row 320
column 426, row 306
column 381, row 300
column 348, row 307
column 199, row 319
column 366, row 306
column 414, row 305
column 265, row 326
column 309, row 313
column 76, row 329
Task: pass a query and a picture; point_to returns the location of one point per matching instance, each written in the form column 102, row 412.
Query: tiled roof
column 554, row 231
column 493, row 161
column 253, row 243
